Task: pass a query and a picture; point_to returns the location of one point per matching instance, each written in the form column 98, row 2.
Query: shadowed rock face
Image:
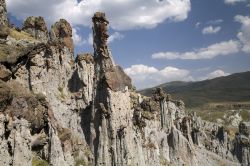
column 3, row 13
column 61, row 32
column 36, row 26
column 117, row 79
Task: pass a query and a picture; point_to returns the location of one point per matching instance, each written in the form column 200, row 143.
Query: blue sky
column 158, row 41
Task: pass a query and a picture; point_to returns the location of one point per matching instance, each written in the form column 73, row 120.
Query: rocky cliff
column 64, row 111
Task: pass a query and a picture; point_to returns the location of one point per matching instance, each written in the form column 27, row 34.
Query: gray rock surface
column 36, row 26
column 59, row 110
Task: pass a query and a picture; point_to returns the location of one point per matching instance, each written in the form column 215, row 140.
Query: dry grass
column 21, row 35
column 36, row 161
column 9, row 53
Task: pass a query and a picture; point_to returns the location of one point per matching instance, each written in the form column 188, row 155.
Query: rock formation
column 3, row 13
column 3, row 20
column 61, row 33
column 59, row 110
column 36, row 26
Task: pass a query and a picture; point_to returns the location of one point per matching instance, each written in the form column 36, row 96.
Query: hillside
column 232, row 88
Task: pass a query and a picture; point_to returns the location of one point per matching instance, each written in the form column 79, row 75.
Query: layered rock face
column 59, row 110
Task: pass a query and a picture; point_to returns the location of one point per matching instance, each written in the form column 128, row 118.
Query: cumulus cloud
column 146, row 76
column 244, row 33
column 215, row 74
column 122, row 14
column 211, row 30
column 112, row 38
column 231, row 2
column 115, row 36
column 78, row 40
column 214, row 50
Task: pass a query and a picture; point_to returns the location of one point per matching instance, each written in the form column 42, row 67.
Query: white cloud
column 78, row 40
column 211, row 30
column 217, row 49
column 145, row 76
column 214, row 22
column 122, row 14
column 215, row 74
column 90, row 39
column 115, row 36
column 231, row 2
column 244, row 33
column 112, row 38
column 197, row 25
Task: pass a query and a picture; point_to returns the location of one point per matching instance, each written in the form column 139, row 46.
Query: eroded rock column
column 112, row 102
column 100, row 37
column 36, row 26
column 61, row 34
column 3, row 13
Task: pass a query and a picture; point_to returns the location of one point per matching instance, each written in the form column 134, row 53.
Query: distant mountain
column 232, row 88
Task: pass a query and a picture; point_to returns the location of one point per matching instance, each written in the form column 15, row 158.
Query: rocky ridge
column 59, row 110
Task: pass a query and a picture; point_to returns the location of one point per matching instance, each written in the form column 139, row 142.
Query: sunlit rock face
column 57, row 109
column 61, row 33
column 37, row 27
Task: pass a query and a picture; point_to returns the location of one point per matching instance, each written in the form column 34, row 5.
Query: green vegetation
column 211, row 116
column 80, row 163
column 39, row 162
column 245, row 114
column 233, row 88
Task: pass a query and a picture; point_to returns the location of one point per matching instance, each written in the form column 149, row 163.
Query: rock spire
column 3, row 13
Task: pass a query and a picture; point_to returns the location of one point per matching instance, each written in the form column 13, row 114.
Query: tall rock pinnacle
column 100, row 35
column 3, row 13
column 115, row 77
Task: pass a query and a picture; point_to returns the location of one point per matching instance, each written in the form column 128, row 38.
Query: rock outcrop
column 36, row 26
column 3, row 13
column 61, row 33
column 57, row 110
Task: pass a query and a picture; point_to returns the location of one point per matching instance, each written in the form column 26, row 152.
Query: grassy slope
column 233, row 88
